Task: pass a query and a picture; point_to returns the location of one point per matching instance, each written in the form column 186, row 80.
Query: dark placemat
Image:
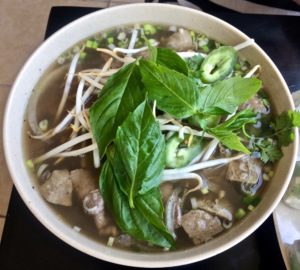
column 26, row 244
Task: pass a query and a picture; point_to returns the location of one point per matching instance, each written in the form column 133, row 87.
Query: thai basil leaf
column 226, row 95
column 143, row 222
column 141, row 147
column 170, row 59
column 174, row 92
column 121, row 94
column 116, row 201
column 230, row 140
column 238, row 120
column 225, row 131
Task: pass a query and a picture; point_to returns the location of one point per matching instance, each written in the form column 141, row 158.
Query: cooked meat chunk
column 83, row 182
column 105, row 224
column 180, row 41
column 93, row 203
column 215, row 209
column 246, row 170
column 125, row 240
column 256, row 104
column 58, row 188
column 85, row 186
column 201, row 226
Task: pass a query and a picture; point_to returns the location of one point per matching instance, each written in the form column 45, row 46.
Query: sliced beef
column 247, row 170
column 83, row 182
column 201, row 226
column 93, row 203
column 180, row 41
column 58, row 188
column 215, row 208
column 85, row 186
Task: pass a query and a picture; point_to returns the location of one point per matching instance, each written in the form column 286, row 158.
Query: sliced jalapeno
column 218, row 64
column 179, row 153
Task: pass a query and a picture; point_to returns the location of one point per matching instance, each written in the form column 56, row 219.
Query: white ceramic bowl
column 100, row 21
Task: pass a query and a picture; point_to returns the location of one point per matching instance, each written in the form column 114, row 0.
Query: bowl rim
column 140, row 260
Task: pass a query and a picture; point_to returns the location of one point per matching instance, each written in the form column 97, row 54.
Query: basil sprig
column 121, row 94
column 129, row 137
column 130, row 178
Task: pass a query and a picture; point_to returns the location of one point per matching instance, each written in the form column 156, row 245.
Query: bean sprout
column 68, row 84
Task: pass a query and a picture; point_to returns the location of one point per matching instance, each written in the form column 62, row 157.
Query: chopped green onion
column 251, row 207
column 29, row 164
column 205, row 49
column 110, row 40
column 149, row 29
column 240, row 213
column 123, row 43
column 43, row 125
column 89, row 43
column 237, row 66
column 251, row 200
column 270, row 174
column 204, row 190
column 110, row 241
column 95, row 44
column 265, row 177
column 152, row 41
column 82, row 55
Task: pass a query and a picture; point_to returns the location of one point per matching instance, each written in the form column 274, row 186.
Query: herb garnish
column 129, row 136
